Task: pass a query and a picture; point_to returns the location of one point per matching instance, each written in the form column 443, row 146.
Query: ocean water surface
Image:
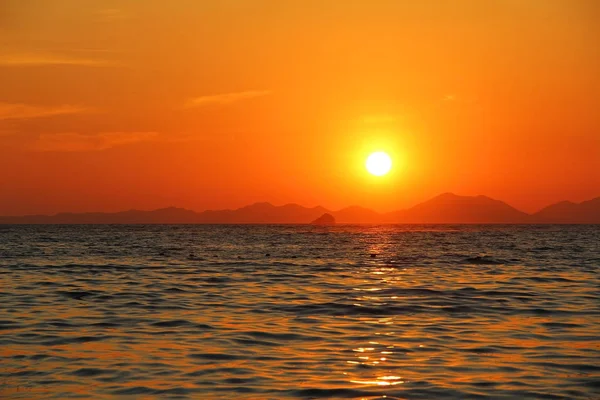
column 277, row 312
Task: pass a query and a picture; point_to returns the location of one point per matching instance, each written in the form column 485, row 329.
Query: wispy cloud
column 450, row 97
column 24, row 111
column 112, row 14
column 34, row 59
column 225, row 98
column 76, row 142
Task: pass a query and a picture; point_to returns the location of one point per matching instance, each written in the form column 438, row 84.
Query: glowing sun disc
column 379, row 163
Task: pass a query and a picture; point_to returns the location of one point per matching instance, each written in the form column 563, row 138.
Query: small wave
column 483, row 260
column 90, row 372
column 340, row 309
column 331, row 393
column 560, row 325
column 216, row 356
column 74, row 340
column 76, row 295
column 225, row 370
column 172, row 324
column 543, row 279
column 280, row 337
column 136, row 390
column 7, row 324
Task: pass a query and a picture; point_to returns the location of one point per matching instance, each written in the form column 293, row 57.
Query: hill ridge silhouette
column 445, row 208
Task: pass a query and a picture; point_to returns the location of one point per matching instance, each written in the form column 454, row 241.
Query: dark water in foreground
column 141, row 312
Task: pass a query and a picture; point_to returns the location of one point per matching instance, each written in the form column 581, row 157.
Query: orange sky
column 113, row 105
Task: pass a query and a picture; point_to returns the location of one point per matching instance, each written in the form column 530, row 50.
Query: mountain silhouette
column 449, row 208
column 357, row 215
column 566, row 212
column 262, row 213
column 170, row 215
column 442, row 209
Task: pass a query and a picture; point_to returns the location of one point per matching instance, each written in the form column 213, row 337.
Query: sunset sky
column 205, row 104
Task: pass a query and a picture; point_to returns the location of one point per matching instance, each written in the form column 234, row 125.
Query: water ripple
column 365, row 312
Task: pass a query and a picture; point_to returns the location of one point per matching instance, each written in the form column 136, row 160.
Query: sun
column 379, row 163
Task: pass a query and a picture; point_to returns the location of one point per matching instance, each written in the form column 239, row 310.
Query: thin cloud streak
column 76, row 142
column 225, row 98
column 32, row 60
column 112, row 14
column 26, row 111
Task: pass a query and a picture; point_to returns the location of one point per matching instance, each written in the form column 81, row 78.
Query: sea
column 299, row 312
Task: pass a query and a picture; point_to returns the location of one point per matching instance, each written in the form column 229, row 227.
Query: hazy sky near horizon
column 112, row 105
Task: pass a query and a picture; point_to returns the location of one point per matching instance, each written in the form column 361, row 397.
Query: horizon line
column 294, row 204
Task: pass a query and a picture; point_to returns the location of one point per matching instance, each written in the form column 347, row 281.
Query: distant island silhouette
column 325, row 219
column 447, row 208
